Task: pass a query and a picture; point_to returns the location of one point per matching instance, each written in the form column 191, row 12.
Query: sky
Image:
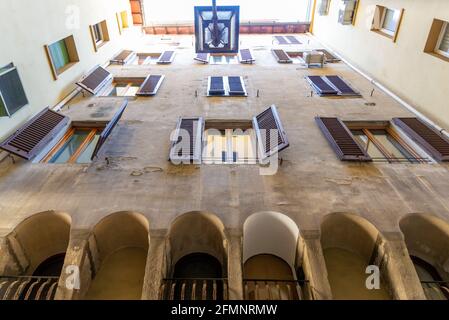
column 250, row 10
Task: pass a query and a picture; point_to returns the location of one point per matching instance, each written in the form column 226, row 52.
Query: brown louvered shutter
column 95, row 80
column 426, row 136
column 189, row 149
column 34, row 136
column 263, row 125
column 124, row 57
column 342, row 140
column 150, row 86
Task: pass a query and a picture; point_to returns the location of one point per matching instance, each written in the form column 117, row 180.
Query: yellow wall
column 417, row 77
column 26, row 26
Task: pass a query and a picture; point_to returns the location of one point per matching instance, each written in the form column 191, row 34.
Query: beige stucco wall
column 26, row 26
column 417, row 77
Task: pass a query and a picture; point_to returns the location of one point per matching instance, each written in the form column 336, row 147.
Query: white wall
column 417, row 77
column 26, row 26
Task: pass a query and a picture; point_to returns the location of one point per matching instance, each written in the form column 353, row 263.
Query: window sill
column 100, row 44
column 439, row 55
column 65, row 68
column 389, row 36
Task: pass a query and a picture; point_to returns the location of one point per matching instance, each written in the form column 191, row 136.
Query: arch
column 350, row 232
column 40, row 237
column 427, row 237
column 197, row 232
column 270, row 233
column 350, row 244
column 120, row 249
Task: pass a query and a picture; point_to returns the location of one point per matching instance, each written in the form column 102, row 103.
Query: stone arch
column 38, row 238
column 119, row 247
column 350, row 244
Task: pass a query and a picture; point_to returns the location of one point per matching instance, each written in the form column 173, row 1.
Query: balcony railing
column 436, row 290
column 28, row 288
column 269, row 289
column 194, row 289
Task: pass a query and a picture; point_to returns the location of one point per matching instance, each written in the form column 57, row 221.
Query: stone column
column 398, row 268
column 78, row 262
column 314, row 266
column 156, row 266
column 235, row 272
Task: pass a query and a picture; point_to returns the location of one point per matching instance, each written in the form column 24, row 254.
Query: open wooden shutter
column 124, row 57
column 108, row 129
column 150, row 86
column 426, row 136
column 95, row 80
column 342, row 140
column 263, row 124
column 187, row 151
column 33, row 136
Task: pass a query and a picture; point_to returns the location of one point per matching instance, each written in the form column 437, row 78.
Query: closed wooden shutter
column 95, row 80
column 187, row 141
column 150, row 86
column 34, row 136
column 108, row 129
column 342, row 140
column 264, row 124
column 426, row 136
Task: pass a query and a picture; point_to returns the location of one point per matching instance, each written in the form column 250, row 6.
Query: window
column 443, row 41
column 223, row 59
column 100, row 34
column 323, row 8
column 230, row 146
column 124, row 89
column 12, row 94
column 386, row 21
column 122, row 21
column 347, row 13
column 62, row 55
column 77, row 146
column 438, row 40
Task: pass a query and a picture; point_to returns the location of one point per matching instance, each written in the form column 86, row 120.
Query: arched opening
column 270, row 242
column 351, row 244
column 39, row 245
column 427, row 240
column 197, row 259
column 121, row 242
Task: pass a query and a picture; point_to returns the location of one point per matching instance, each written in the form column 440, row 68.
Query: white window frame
column 440, row 40
column 382, row 22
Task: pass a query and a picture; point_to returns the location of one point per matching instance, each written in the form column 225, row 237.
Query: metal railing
column 194, row 289
column 28, row 288
column 271, row 289
column 436, row 290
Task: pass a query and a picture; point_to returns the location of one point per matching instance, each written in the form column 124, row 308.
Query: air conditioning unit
column 347, row 12
column 314, row 58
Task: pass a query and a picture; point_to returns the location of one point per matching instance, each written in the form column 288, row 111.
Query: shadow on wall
column 350, row 244
column 427, row 240
column 119, row 247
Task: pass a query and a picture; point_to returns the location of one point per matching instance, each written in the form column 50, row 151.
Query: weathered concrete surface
column 310, row 184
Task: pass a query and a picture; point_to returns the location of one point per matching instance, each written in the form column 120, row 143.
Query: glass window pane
column 444, row 45
column 243, row 147
column 391, row 19
column 69, row 148
column 391, row 144
column 59, row 54
column 370, row 147
column 86, row 155
column 216, row 145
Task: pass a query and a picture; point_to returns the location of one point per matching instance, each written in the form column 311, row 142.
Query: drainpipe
column 444, row 132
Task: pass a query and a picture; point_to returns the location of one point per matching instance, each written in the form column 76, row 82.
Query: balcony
column 267, row 289
column 28, row 288
column 194, row 289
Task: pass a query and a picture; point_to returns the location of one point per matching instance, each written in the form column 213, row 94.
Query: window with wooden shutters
column 341, row 140
column 271, row 137
column 323, row 9
column 186, row 141
column 426, row 136
column 34, row 136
